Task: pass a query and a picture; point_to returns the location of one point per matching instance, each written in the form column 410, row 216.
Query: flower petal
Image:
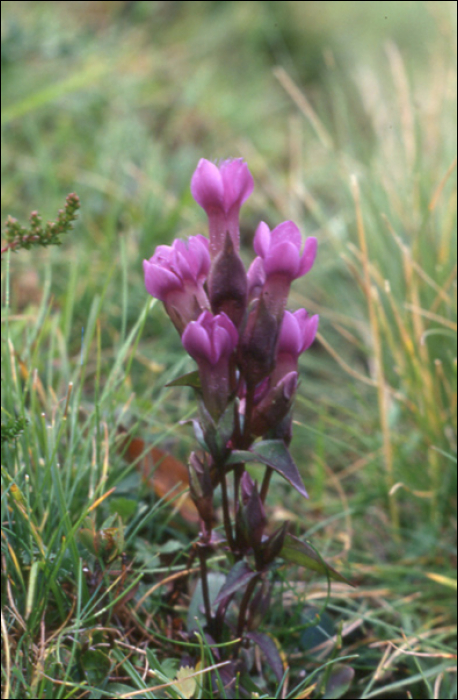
column 261, row 243
column 290, row 335
column 308, row 256
column 159, row 281
column 287, row 231
column 282, row 258
column 237, row 181
column 207, row 185
column 196, row 342
column 309, row 331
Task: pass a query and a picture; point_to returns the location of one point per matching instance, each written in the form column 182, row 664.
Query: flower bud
column 274, row 406
column 298, row 331
column 176, row 275
column 221, row 191
column 253, row 513
column 256, row 356
column 227, row 284
column 201, row 488
column 256, row 278
column 273, row 545
column 280, row 251
column 211, row 341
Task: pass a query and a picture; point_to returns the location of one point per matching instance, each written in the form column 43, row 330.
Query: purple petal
column 198, row 253
column 225, row 322
column 287, row 231
column 159, row 281
column 221, row 344
column 196, row 341
column 261, row 243
column 207, row 185
column 290, row 335
column 238, row 182
column 309, row 332
column 308, row 256
column 283, row 258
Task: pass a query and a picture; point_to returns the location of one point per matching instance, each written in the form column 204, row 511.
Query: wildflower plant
column 234, row 324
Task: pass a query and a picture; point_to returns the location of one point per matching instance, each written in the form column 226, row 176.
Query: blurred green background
column 340, row 109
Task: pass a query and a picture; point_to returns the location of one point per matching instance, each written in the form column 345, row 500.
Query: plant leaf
column 237, row 577
column 269, row 648
column 191, row 379
column 339, row 681
column 298, row 552
column 274, row 454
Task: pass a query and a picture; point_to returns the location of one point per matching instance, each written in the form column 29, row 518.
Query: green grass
column 346, row 115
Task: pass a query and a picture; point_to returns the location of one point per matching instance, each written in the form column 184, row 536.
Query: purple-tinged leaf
column 339, row 681
column 237, row 577
column 298, row 552
column 274, row 454
column 269, row 648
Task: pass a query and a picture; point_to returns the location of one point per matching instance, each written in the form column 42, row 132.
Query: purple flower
column 211, row 341
column 210, row 338
column 280, row 250
column 221, row 191
column 297, row 333
column 176, row 274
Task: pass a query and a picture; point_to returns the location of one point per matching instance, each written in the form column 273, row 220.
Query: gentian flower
column 280, row 251
column 221, row 191
column 176, row 275
column 297, row 333
column 211, row 341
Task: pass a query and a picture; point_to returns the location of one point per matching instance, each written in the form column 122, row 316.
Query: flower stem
column 226, row 514
column 249, row 401
column 205, row 589
column 244, row 605
column 266, row 483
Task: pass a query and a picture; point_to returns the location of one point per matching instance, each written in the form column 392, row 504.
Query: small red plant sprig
column 234, row 324
column 18, row 236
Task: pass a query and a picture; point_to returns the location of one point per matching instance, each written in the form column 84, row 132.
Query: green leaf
column 124, row 507
column 274, row 454
column 237, row 577
column 339, row 681
column 96, row 665
column 298, row 552
column 191, row 379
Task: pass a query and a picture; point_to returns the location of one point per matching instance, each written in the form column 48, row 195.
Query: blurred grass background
column 346, row 115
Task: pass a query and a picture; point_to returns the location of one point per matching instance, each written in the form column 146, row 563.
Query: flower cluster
column 235, row 325
column 232, row 322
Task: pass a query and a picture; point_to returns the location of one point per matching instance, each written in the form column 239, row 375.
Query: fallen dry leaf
column 166, row 475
